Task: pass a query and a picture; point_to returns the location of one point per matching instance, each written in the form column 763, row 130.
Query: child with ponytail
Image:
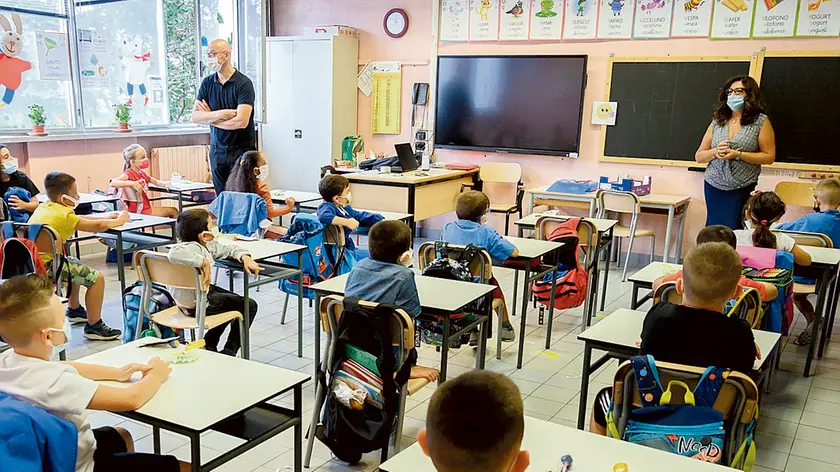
column 133, row 184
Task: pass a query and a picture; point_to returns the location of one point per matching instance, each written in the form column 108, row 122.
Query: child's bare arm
column 800, row 257
column 770, row 291
column 131, row 398
column 96, row 225
column 346, row 222
column 104, row 372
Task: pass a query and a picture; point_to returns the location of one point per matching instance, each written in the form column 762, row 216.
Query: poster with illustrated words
column 692, row 18
column 581, row 20
column 53, row 60
column 774, row 18
column 385, row 98
column 653, row 19
column 484, row 20
column 515, row 17
column 546, row 19
column 818, row 18
column 615, row 19
column 732, row 19
column 156, row 91
column 94, row 59
column 454, row 20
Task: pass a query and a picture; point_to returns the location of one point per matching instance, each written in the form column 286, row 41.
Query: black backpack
column 350, row 433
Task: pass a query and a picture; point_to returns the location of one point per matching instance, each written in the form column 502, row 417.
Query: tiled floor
column 799, row 427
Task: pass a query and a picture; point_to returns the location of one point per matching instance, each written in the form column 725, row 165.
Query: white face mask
column 407, row 258
column 68, row 335
column 214, row 63
column 10, row 166
column 263, row 173
column 73, row 203
column 347, row 198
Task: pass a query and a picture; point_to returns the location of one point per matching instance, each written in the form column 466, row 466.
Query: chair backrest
column 667, row 292
column 401, row 324
column 796, row 193
column 618, row 201
column 809, row 239
column 483, row 269
column 155, row 268
column 500, row 172
column 587, row 234
column 334, row 234
column 47, row 242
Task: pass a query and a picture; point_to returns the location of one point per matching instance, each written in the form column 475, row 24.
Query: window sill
column 103, row 134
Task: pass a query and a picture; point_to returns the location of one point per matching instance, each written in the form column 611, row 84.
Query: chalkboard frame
column 650, row 161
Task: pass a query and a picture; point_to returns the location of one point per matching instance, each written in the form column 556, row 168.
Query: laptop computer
column 405, row 154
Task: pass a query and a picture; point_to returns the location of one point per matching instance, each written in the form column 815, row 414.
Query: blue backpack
column 159, row 301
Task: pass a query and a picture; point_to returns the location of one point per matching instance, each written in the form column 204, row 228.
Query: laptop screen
column 407, row 160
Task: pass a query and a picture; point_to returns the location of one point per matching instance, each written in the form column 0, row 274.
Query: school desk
column 548, row 442
column 674, row 206
column 84, row 198
column 302, row 199
column 180, row 191
column 617, row 335
column 438, row 297
column 645, row 277
column 827, row 262
column 131, row 232
column 215, row 393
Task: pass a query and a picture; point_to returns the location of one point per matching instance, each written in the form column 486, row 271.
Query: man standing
column 225, row 101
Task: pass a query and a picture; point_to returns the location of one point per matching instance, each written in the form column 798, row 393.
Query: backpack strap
column 647, row 380
column 709, row 385
column 384, row 313
column 34, row 231
column 744, row 458
column 8, row 229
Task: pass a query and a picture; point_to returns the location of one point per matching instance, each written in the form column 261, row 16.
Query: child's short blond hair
column 22, row 303
column 828, row 192
column 711, row 272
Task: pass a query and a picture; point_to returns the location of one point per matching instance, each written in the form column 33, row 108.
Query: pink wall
column 292, row 15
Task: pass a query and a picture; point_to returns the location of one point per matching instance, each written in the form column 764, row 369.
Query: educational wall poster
column 515, row 17
column 581, row 19
column 546, row 19
column 732, row 19
column 53, row 60
column 774, row 18
column 692, row 18
column 818, row 18
column 156, row 90
column 93, row 59
column 615, row 19
column 484, row 20
column 653, row 19
column 454, row 20
column 385, row 98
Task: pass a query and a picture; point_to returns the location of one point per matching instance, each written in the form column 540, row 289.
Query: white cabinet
column 310, row 107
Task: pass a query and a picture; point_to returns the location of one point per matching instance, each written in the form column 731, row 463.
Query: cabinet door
column 277, row 134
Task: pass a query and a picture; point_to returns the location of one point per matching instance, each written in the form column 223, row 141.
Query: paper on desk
column 365, row 79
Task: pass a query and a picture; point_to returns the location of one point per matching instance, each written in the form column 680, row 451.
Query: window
column 254, row 29
column 181, row 65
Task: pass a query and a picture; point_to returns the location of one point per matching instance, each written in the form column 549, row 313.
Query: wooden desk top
column 409, row 178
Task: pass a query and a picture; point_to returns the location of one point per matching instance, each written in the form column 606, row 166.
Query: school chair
column 667, row 292
column 481, row 269
column 402, row 327
column 796, row 193
column 624, row 203
column 737, row 401
column 155, row 268
column 503, row 176
column 747, row 307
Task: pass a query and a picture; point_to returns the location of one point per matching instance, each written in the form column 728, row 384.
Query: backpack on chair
column 572, row 279
column 159, row 301
column 19, row 255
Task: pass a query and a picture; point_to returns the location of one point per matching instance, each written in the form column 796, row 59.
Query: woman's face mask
column 10, row 165
column 735, row 102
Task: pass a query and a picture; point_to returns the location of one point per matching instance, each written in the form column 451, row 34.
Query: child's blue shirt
column 463, row 232
column 383, row 282
column 826, row 222
column 328, row 210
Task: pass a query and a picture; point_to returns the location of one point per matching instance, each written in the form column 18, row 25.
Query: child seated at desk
column 32, row 321
column 134, row 184
column 198, row 248
column 248, row 176
column 336, row 210
column 386, row 277
column 696, row 332
column 825, row 220
column 58, row 214
column 11, row 176
column 475, row 423
column 723, row 234
column 472, row 208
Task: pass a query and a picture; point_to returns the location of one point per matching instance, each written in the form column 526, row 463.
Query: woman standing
column 738, row 142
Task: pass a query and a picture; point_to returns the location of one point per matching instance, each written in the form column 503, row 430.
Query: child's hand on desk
column 251, row 267
column 158, row 368
column 290, row 201
column 125, row 372
column 123, row 217
column 757, row 352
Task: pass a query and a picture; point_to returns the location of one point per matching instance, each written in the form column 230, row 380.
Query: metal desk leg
column 120, row 262
column 156, row 439
column 444, row 349
column 525, row 293
column 827, row 317
column 246, row 336
column 485, row 328
column 591, row 296
column 230, row 280
column 666, row 252
column 300, row 304
column 530, row 203
column 678, row 255
column 551, row 308
column 826, row 277
column 515, row 284
column 584, row 385
column 195, row 447
column 829, row 324
column 634, row 296
column 607, row 272
column 298, row 429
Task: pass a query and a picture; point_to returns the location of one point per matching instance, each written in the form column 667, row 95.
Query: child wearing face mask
column 11, row 176
column 199, row 248
column 58, row 214
column 472, row 208
column 134, row 184
column 336, row 210
column 248, row 176
column 385, row 277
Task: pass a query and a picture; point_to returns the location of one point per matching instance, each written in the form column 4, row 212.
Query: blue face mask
column 735, row 102
column 10, row 166
column 68, row 335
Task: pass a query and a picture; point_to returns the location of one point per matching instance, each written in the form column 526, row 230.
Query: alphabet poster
column 454, row 20
column 515, row 18
column 818, row 18
column 774, row 18
column 581, row 19
column 546, row 19
column 653, row 19
column 692, row 19
column 484, row 20
column 732, row 19
column 615, row 19
column 385, row 98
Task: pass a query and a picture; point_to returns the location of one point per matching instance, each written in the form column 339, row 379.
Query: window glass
column 252, row 24
column 181, row 36
column 218, row 18
column 48, row 6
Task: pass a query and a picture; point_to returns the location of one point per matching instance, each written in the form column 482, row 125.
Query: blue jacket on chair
column 18, row 216
column 239, row 213
column 33, row 440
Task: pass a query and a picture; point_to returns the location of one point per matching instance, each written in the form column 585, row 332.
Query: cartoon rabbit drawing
column 11, row 66
column 136, row 63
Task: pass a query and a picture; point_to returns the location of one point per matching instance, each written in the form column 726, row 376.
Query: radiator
column 189, row 161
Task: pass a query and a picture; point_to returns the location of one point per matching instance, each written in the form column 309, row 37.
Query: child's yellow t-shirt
column 58, row 217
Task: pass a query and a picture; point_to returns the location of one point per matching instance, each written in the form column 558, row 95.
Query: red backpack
column 571, row 277
column 19, row 255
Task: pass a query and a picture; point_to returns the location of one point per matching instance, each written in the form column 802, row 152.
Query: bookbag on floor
column 570, row 291
column 19, row 255
column 160, row 300
column 348, row 432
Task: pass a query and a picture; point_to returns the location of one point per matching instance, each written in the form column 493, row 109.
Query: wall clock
column 395, row 23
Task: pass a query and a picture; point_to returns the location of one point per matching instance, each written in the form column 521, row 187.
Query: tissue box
column 332, row 30
column 573, row 186
column 639, row 187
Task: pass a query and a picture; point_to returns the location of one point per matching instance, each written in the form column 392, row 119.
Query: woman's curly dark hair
column 753, row 106
column 242, row 177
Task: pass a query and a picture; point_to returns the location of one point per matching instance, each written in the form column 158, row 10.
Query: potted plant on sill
column 122, row 113
column 36, row 115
